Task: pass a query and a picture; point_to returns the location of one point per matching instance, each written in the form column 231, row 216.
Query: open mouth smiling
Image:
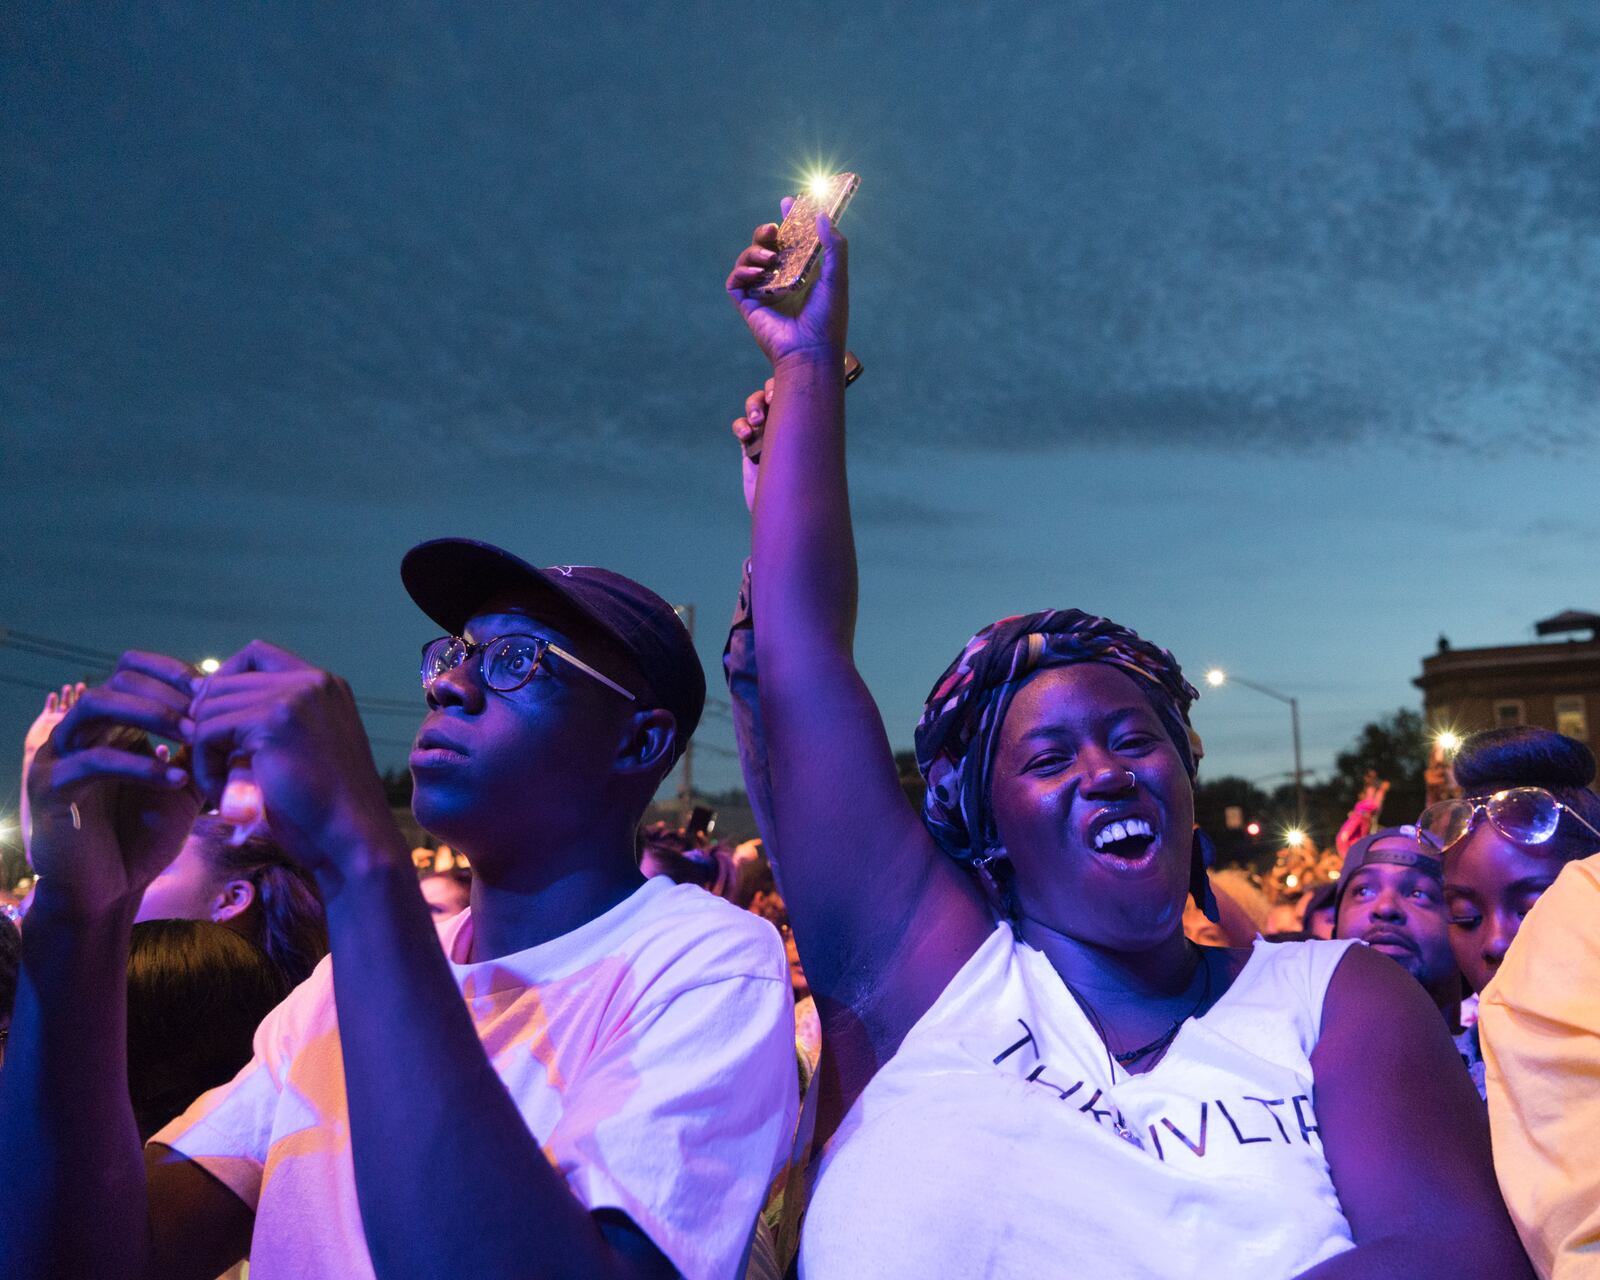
column 1127, row 837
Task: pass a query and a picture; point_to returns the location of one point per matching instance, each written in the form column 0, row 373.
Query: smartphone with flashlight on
column 798, row 245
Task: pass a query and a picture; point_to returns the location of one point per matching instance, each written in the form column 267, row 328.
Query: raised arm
column 108, row 814
column 55, row 710
column 882, row 919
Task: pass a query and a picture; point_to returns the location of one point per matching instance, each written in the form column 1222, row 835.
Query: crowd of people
column 1010, row 1022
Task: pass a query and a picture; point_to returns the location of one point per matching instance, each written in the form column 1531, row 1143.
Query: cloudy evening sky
column 1268, row 329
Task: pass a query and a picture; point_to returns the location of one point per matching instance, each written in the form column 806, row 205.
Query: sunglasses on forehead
column 1525, row 815
column 506, row 663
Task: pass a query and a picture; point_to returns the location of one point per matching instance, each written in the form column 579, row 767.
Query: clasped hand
column 111, row 810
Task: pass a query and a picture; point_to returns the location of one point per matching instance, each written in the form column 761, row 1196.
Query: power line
column 67, row 651
column 11, row 636
column 76, row 661
column 368, row 708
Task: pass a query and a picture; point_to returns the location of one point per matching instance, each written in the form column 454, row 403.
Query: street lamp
column 1217, row 677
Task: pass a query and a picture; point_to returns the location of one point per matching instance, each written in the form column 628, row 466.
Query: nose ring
column 1132, row 780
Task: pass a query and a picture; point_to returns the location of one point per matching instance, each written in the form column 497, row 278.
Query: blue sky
column 1267, row 329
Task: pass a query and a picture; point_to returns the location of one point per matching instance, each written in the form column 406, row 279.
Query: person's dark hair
column 286, row 920
column 196, row 993
column 1325, row 897
column 1525, row 756
column 676, row 856
column 10, row 963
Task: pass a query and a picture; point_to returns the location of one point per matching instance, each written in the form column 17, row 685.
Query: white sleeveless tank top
column 987, row 1145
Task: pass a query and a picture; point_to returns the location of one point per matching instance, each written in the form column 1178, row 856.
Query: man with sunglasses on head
column 1522, row 871
column 593, row 1078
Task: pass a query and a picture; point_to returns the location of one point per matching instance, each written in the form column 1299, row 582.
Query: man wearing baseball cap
column 1391, row 896
column 593, row 1077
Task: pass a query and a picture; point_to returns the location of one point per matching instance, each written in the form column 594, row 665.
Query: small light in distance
column 1291, row 880
column 1448, row 741
column 1294, row 837
column 1252, row 828
column 1216, row 677
column 210, row 666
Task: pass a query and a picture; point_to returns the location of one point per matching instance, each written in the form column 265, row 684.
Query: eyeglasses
column 1526, row 815
column 508, row 662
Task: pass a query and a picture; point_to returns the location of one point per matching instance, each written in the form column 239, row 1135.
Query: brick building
column 1554, row 684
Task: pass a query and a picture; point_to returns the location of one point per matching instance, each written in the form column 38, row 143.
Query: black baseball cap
column 450, row 578
column 1398, row 846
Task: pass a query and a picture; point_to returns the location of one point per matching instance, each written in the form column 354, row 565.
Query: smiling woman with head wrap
column 960, row 723
column 1032, row 1064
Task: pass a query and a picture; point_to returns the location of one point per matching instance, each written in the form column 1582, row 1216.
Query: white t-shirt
column 986, row 1146
column 651, row 1051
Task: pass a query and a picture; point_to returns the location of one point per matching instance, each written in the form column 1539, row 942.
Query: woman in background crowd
column 1500, row 856
column 251, row 887
column 1522, row 877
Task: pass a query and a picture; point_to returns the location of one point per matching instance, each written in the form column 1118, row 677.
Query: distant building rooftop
column 1569, row 620
column 1552, row 684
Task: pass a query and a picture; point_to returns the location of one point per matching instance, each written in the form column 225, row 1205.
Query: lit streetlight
column 1448, row 741
column 1217, row 677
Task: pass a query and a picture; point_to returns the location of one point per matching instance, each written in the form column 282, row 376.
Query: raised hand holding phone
column 820, row 321
column 797, row 244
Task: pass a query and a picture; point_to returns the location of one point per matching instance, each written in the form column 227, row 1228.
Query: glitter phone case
column 797, row 237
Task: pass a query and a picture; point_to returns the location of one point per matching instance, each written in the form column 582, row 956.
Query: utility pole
column 686, row 778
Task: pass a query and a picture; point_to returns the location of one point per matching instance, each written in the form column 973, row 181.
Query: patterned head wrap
column 960, row 726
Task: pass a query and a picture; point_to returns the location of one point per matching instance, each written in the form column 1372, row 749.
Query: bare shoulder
column 1368, row 987
column 1379, row 1026
column 198, row 1226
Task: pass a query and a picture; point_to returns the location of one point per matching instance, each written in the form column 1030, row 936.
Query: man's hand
column 298, row 729
column 820, row 323
column 109, row 811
